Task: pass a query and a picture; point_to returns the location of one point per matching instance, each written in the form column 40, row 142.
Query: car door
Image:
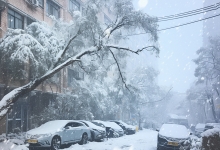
column 68, row 133
column 78, row 130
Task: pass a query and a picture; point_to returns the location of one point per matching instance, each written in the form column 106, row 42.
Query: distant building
column 17, row 14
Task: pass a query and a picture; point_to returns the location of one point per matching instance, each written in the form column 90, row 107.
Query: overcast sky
column 178, row 46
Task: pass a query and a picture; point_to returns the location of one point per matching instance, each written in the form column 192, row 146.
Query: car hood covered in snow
column 93, row 126
column 49, row 127
column 174, row 131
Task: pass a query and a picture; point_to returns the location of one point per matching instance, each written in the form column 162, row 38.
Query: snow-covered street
column 142, row 140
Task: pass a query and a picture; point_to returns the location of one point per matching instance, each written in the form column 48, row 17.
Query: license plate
column 32, row 141
column 173, row 143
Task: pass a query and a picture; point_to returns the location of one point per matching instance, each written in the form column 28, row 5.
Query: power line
column 190, row 13
column 178, row 25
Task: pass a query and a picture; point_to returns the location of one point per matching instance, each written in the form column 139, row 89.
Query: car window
column 70, row 124
column 76, row 124
column 86, row 124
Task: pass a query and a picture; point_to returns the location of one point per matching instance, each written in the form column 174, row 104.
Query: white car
column 55, row 133
column 110, row 132
column 173, row 136
column 97, row 133
column 116, row 127
column 200, row 127
column 128, row 129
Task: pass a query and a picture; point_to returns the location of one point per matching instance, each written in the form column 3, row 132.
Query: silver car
column 55, row 133
column 97, row 133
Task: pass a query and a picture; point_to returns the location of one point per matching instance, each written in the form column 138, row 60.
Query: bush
column 210, row 139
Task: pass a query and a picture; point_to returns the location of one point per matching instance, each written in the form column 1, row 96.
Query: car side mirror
column 190, row 133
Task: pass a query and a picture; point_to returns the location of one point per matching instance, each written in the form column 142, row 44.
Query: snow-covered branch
column 9, row 99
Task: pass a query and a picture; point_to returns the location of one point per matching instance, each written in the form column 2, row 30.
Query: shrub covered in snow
column 211, row 138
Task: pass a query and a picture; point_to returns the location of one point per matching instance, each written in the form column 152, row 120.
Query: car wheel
column 55, row 143
column 84, row 139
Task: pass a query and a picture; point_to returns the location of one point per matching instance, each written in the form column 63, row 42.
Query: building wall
column 34, row 104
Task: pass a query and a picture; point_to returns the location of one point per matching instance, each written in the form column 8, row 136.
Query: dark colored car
column 173, row 136
column 128, row 129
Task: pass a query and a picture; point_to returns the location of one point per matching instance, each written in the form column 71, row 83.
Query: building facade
column 17, row 14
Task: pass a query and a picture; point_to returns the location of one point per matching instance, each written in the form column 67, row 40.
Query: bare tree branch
column 119, row 69
column 157, row 100
column 137, row 51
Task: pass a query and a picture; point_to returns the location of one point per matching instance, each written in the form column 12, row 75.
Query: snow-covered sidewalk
column 142, row 140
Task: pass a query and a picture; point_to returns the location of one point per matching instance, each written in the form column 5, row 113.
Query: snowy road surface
column 142, row 140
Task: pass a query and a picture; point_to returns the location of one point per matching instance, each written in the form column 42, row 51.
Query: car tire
column 84, row 139
column 56, row 143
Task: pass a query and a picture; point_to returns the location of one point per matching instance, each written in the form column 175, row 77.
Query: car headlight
column 36, row 136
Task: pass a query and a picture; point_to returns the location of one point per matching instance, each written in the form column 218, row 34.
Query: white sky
column 178, row 46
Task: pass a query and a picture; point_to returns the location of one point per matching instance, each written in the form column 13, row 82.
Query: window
column 41, row 3
column 53, row 9
column 107, row 21
column 15, row 20
column 74, row 5
column 75, row 124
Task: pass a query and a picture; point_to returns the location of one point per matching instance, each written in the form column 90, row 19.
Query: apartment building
column 17, row 14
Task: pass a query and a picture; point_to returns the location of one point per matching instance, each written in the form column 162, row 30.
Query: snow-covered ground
column 142, row 140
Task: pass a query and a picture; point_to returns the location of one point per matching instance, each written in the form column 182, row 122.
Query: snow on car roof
column 211, row 132
column 114, row 125
column 102, row 122
column 174, row 131
column 50, row 127
column 200, row 126
column 91, row 125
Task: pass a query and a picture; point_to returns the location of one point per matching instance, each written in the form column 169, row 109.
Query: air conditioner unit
column 34, row 3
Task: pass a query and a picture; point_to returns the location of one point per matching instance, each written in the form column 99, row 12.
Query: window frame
column 51, row 6
column 76, row 3
column 41, row 3
column 18, row 19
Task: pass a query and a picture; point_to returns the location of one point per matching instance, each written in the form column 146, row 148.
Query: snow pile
column 142, row 140
column 211, row 132
column 13, row 142
column 196, row 143
column 11, row 145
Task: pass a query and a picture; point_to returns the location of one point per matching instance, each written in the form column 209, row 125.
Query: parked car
column 128, row 129
column 200, row 127
column 173, row 136
column 211, row 126
column 56, row 133
column 97, row 133
column 110, row 132
column 116, row 127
